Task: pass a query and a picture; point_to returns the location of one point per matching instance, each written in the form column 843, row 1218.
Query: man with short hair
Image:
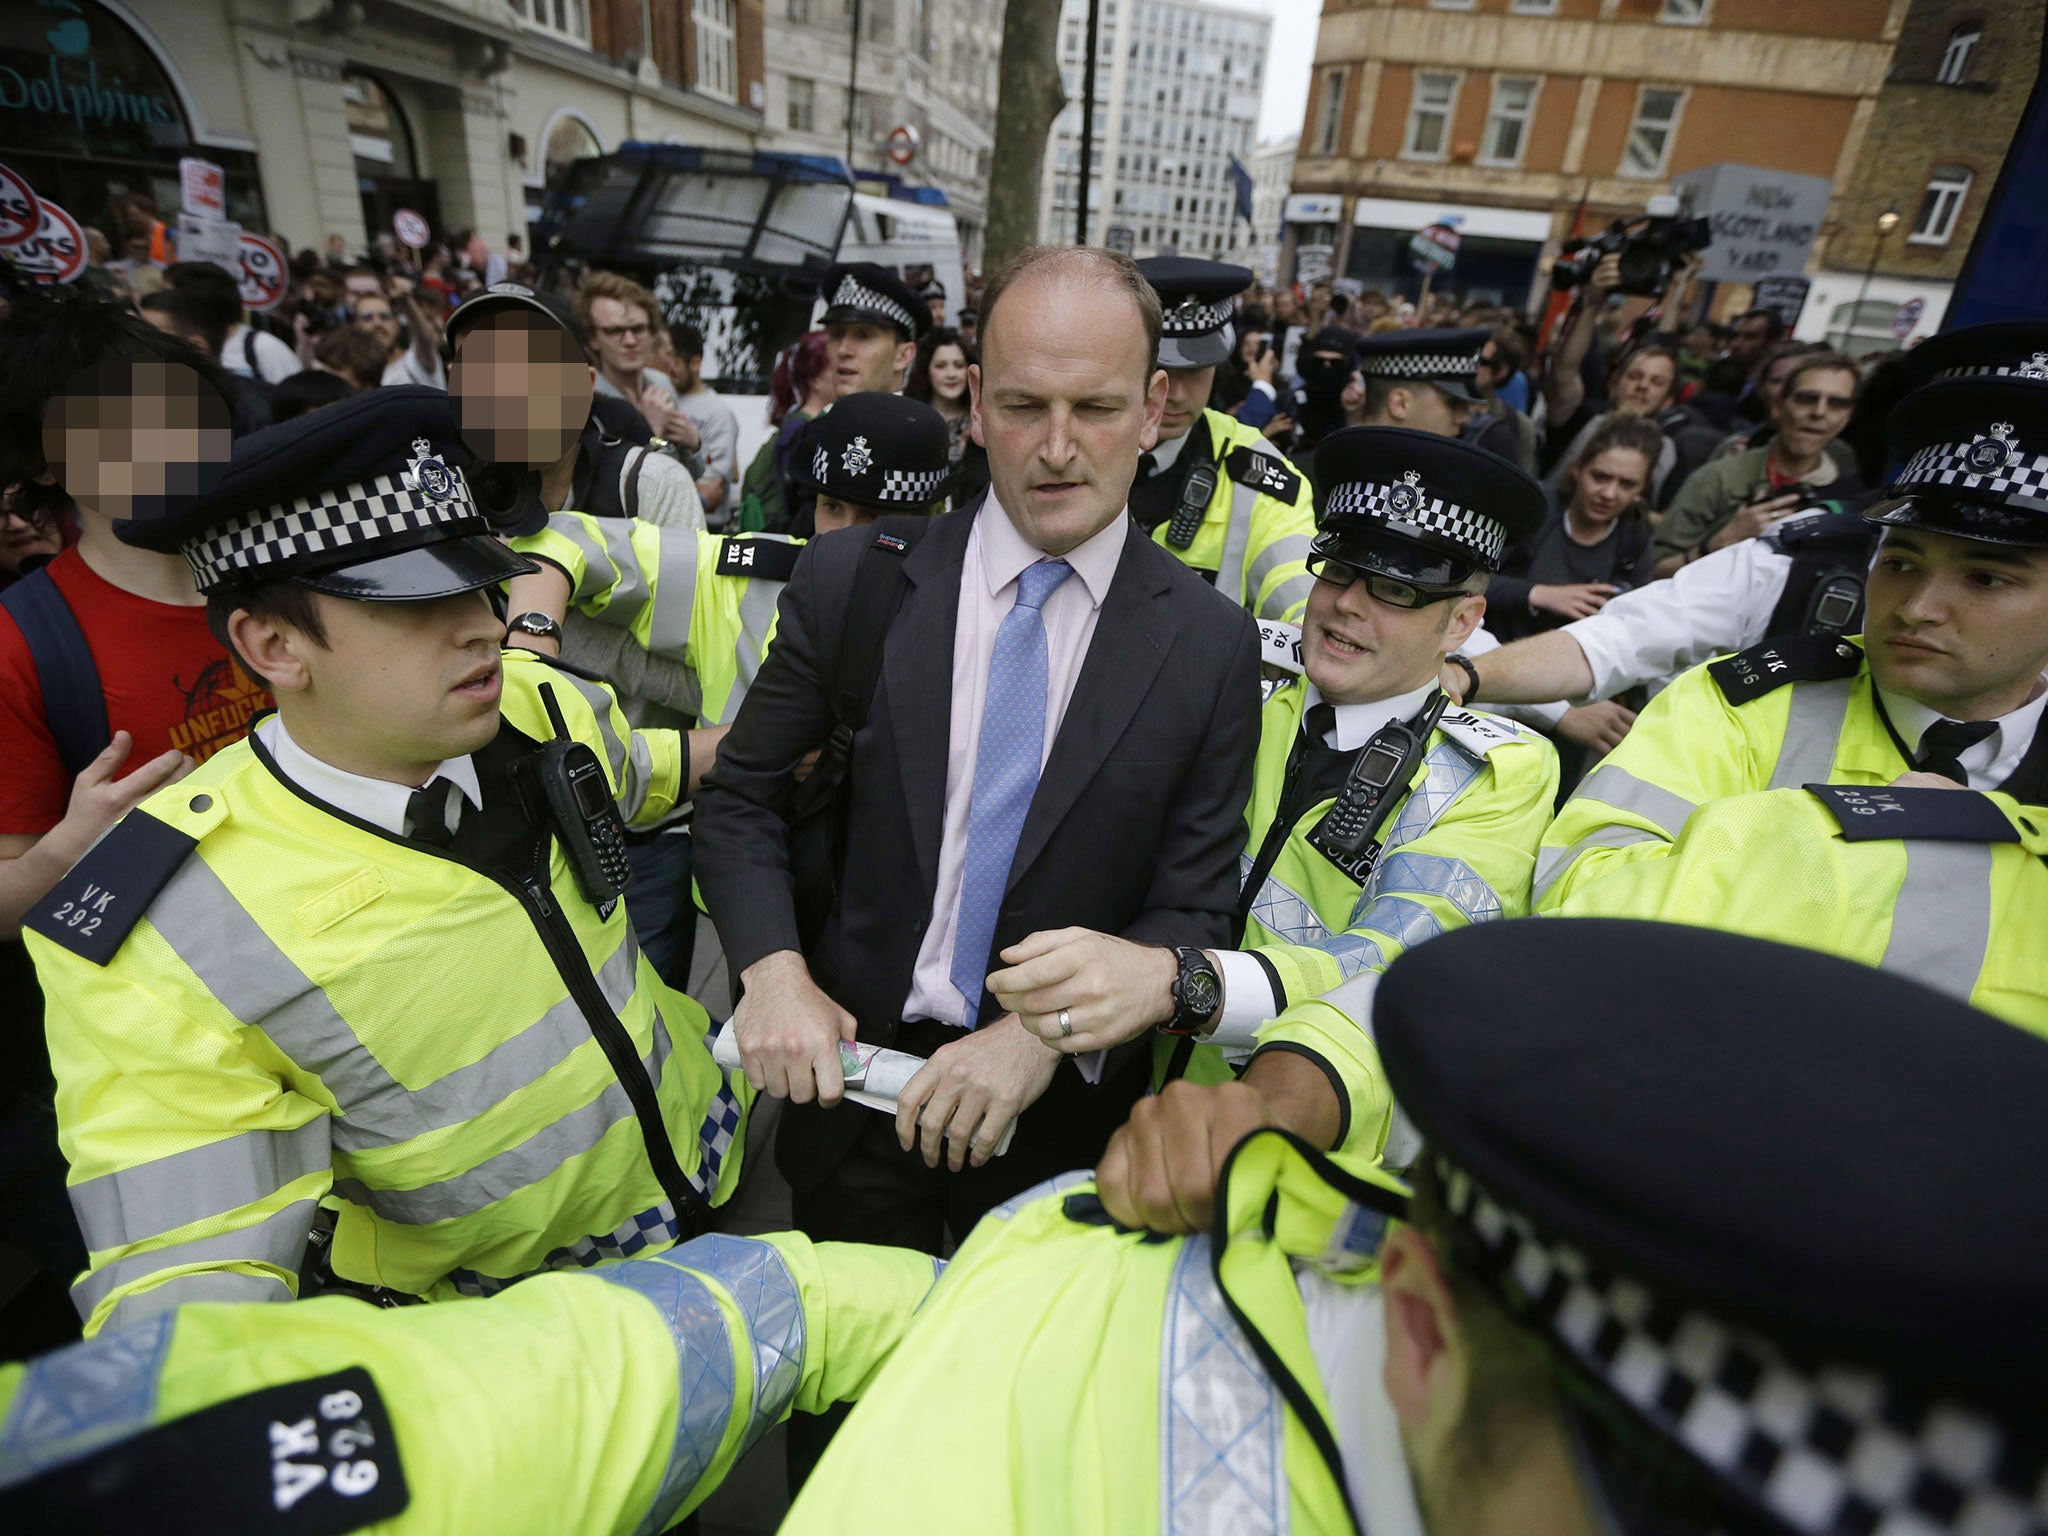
column 244, row 350
column 617, row 317
column 873, row 321
column 1427, row 379
column 717, row 428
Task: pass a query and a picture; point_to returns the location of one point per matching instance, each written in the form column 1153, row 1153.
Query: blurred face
column 362, row 285
column 1813, row 409
column 1750, row 339
column 936, row 306
column 622, row 335
column 1357, row 649
column 861, row 357
column 27, row 530
column 1770, row 385
column 1959, row 625
column 1608, row 484
column 374, row 316
column 1064, row 397
column 831, row 514
column 1644, row 388
column 948, row 373
column 137, row 433
column 524, row 393
column 1187, row 396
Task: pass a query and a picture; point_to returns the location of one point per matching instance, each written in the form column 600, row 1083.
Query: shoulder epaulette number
column 1264, row 472
column 1478, row 733
column 1875, row 813
column 97, row 904
column 764, row 559
column 1762, row 669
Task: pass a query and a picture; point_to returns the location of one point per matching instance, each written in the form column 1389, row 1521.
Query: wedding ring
column 1066, row 1026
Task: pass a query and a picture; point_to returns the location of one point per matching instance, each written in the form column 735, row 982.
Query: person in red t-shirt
column 140, row 412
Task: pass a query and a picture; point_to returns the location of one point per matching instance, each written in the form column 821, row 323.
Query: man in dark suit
column 1061, row 735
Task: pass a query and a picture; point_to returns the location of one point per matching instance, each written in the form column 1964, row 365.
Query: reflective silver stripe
column 517, row 1167
column 1221, row 1423
column 78, row 1399
column 1449, row 770
column 601, row 702
column 1237, row 538
column 1406, row 921
column 1430, row 874
column 279, row 1242
column 1289, row 549
column 220, row 1285
column 599, row 567
column 132, row 1205
column 1552, row 862
column 675, row 594
column 639, row 777
column 1813, row 733
column 1941, row 922
column 1290, row 595
column 614, row 545
column 1042, row 1190
column 1613, row 786
column 757, row 614
column 759, row 1282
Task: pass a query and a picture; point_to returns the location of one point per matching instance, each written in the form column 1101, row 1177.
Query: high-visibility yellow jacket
column 1255, row 534
column 1947, row 887
column 1065, row 1376
column 1783, row 714
column 703, row 599
column 607, row 1402
column 1459, row 847
column 287, row 1004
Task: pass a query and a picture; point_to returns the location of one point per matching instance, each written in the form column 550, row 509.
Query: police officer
column 1380, row 816
column 873, row 320
column 374, row 955
column 870, row 456
column 1804, row 577
column 1428, row 380
column 1658, row 1274
column 608, row 1401
column 1945, row 684
column 1213, row 490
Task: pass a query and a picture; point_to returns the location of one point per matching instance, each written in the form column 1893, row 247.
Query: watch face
column 1201, row 992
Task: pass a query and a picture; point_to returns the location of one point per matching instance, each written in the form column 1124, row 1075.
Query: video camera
column 1650, row 248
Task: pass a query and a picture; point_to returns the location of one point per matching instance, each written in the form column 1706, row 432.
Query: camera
column 1650, row 248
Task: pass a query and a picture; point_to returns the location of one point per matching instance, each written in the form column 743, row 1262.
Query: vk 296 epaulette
column 93, row 908
column 1765, row 668
column 763, row 559
column 1262, row 472
column 1871, row 814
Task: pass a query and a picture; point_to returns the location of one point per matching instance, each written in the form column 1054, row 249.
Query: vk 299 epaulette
column 764, row 559
column 1262, row 472
column 1765, row 668
column 96, row 905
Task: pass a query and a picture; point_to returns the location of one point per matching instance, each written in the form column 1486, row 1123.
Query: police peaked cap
column 1973, row 461
column 1449, row 359
column 1785, row 1210
column 867, row 291
column 1197, row 299
column 875, row 449
column 367, row 498
column 1423, row 508
column 501, row 297
column 2015, row 349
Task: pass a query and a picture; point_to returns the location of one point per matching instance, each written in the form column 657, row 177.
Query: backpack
column 74, row 703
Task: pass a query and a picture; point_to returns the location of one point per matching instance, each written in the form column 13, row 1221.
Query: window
column 1650, row 136
column 1332, row 121
column 1507, row 121
column 800, row 10
column 803, row 105
column 1534, row 7
column 1429, row 115
column 1684, row 13
column 1946, row 189
column 564, row 18
column 1450, row 5
column 1955, row 63
column 716, row 63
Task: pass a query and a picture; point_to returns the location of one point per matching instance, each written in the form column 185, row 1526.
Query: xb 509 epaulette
column 1749, row 675
column 97, row 904
column 1264, row 472
column 763, row 558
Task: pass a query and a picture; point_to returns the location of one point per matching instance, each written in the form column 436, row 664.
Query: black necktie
column 426, row 813
column 1319, row 722
column 1945, row 742
column 1148, row 465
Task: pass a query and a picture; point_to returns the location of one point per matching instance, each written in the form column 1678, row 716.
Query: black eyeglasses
column 1391, row 590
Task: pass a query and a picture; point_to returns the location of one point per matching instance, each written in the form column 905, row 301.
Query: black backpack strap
column 249, row 351
column 74, row 704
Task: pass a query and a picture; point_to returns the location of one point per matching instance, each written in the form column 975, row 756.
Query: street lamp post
column 1886, row 223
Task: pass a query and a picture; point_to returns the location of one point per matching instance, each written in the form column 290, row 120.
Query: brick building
column 1508, row 114
column 1959, row 82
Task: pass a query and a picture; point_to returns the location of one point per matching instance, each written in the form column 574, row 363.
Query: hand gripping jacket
column 1067, row 1376
column 279, row 1004
column 572, row 1405
column 1256, row 531
column 1947, row 887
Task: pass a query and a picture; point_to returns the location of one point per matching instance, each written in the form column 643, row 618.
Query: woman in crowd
column 797, row 391
column 938, row 378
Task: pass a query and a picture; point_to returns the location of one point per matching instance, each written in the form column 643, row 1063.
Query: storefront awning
column 1469, row 219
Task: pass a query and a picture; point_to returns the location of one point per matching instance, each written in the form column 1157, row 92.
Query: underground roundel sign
column 20, row 215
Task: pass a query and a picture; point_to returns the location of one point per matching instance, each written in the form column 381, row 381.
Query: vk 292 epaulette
column 765, row 559
column 1872, row 814
column 1262, row 472
column 95, row 906
column 1765, row 668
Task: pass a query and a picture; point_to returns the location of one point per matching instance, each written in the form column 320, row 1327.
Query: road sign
column 265, row 275
column 411, row 229
column 903, row 142
column 1907, row 316
column 202, row 188
column 56, row 252
column 19, row 215
column 1435, row 245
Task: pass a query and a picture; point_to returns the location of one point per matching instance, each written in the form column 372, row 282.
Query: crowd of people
column 1092, row 901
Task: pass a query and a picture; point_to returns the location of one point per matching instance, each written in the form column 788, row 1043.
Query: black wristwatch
column 1197, row 994
column 537, row 624
column 1463, row 662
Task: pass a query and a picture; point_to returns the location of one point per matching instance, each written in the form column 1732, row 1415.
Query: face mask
column 1323, row 379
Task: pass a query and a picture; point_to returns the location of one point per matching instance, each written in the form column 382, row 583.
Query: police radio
column 1837, row 600
column 1195, row 492
column 1348, row 835
column 564, row 784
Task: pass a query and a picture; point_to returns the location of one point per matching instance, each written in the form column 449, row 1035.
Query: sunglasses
column 1391, row 590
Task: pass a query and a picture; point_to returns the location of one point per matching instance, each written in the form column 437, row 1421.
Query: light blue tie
column 1005, row 773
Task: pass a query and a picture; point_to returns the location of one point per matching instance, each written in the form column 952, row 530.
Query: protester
column 797, row 391
column 718, row 430
column 31, row 529
column 938, row 378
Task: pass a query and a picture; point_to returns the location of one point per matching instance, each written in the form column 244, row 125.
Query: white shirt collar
column 1166, row 455
column 1991, row 761
column 1356, row 723
column 377, row 801
column 1347, row 1335
column 1005, row 553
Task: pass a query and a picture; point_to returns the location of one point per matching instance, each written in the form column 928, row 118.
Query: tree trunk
column 1031, row 96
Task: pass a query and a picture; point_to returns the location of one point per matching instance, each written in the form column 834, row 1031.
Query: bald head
column 1043, row 275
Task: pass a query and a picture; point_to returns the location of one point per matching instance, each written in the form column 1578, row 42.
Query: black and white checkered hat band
column 1827, row 1450
column 1985, row 465
column 910, row 487
column 1420, row 365
column 1483, row 537
column 1197, row 319
column 333, row 520
column 2034, row 368
column 855, row 294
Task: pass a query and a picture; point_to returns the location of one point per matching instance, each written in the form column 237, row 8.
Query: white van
column 899, row 233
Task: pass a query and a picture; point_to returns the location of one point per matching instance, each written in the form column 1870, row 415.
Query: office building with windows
column 1176, row 96
column 1521, row 121
column 1272, row 178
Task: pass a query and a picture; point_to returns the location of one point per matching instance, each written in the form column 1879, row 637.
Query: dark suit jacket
column 1137, row 823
